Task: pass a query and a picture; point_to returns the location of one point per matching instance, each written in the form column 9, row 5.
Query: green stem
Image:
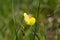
column 58, row 36
column 37, row 22
column 58, row 33
column 14, row 19
column 38, row 37
column 43, row 33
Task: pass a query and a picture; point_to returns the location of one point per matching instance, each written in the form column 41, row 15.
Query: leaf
column 1, row 36
column 12, row 28
column 20, row 35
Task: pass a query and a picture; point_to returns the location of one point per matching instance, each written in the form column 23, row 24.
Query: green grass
column 13, row 26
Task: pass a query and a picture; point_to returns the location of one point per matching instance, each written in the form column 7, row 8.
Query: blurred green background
column 46, row 12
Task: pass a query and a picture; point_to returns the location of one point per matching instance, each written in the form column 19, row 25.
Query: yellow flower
column 29, row 20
